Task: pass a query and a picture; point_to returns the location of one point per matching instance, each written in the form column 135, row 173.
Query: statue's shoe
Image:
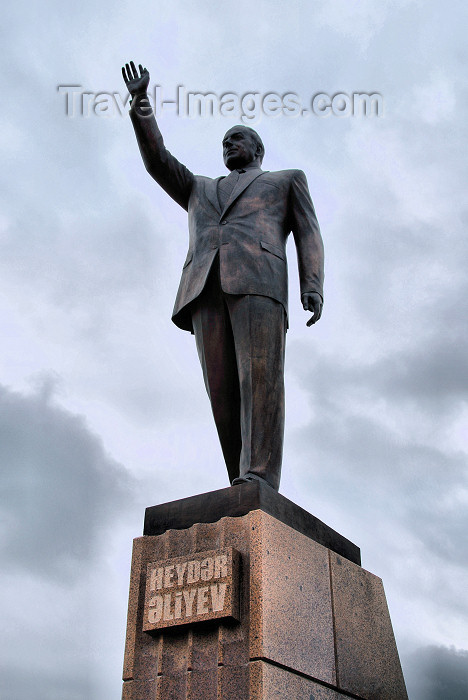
column 249, row 477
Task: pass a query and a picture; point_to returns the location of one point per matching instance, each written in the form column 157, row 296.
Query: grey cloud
column 351, row 445
column 429, row 376
column 434, row 373
column 437, row 673
column 79, row 260
column 432, row 376
column 20, row 683
column 60, row 488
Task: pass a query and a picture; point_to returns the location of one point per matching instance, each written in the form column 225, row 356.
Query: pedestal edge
column 237, row 501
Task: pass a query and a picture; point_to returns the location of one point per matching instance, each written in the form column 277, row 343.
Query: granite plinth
column 239, row 500
column 312, row 623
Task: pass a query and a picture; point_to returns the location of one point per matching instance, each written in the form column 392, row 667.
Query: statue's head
column 241, row 146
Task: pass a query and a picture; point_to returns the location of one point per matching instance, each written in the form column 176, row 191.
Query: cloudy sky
column 102, row 406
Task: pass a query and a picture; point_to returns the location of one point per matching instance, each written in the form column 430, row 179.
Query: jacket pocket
column 187, row 260
column 273, row 249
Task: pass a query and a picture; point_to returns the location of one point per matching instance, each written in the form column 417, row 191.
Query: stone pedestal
column 303, row 620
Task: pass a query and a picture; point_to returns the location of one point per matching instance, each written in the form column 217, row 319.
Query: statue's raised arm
column 173, row 176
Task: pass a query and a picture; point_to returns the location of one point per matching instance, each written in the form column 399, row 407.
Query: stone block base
column 262, row 681
column 313, row 624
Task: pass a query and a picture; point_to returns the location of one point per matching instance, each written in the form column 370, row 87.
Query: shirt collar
column 248, row 167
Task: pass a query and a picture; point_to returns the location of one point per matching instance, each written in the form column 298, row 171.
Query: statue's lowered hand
column 312, row 301
column 136, row 84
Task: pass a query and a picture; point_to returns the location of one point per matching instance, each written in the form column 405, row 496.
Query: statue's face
column 239, row 148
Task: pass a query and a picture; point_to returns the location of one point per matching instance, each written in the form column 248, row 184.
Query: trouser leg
column 241, row 341
column 216, row 350
column 259, row 329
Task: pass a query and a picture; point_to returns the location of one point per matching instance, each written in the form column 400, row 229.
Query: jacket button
column 224, row 222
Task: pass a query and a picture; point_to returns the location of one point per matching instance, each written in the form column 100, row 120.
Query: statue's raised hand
column 136, row 84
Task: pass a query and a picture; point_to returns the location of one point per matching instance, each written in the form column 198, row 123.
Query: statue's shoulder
column 281, row 177
column 291, row 172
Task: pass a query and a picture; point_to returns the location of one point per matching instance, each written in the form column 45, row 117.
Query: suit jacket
column 250, row 232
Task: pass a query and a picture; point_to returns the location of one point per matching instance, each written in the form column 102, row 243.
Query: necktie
column 226, row 186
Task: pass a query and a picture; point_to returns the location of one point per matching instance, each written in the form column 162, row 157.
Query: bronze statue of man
column 233, row 294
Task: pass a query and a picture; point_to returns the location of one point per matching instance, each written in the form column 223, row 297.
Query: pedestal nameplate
column 186, row 590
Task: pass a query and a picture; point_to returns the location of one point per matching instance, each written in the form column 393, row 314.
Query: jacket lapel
column 247, row 178
column 211, row 191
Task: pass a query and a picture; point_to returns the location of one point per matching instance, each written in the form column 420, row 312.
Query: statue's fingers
column 142, row 70
column 124, row 74
column 135, row 73
column 317, row 312
column 311, row 321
